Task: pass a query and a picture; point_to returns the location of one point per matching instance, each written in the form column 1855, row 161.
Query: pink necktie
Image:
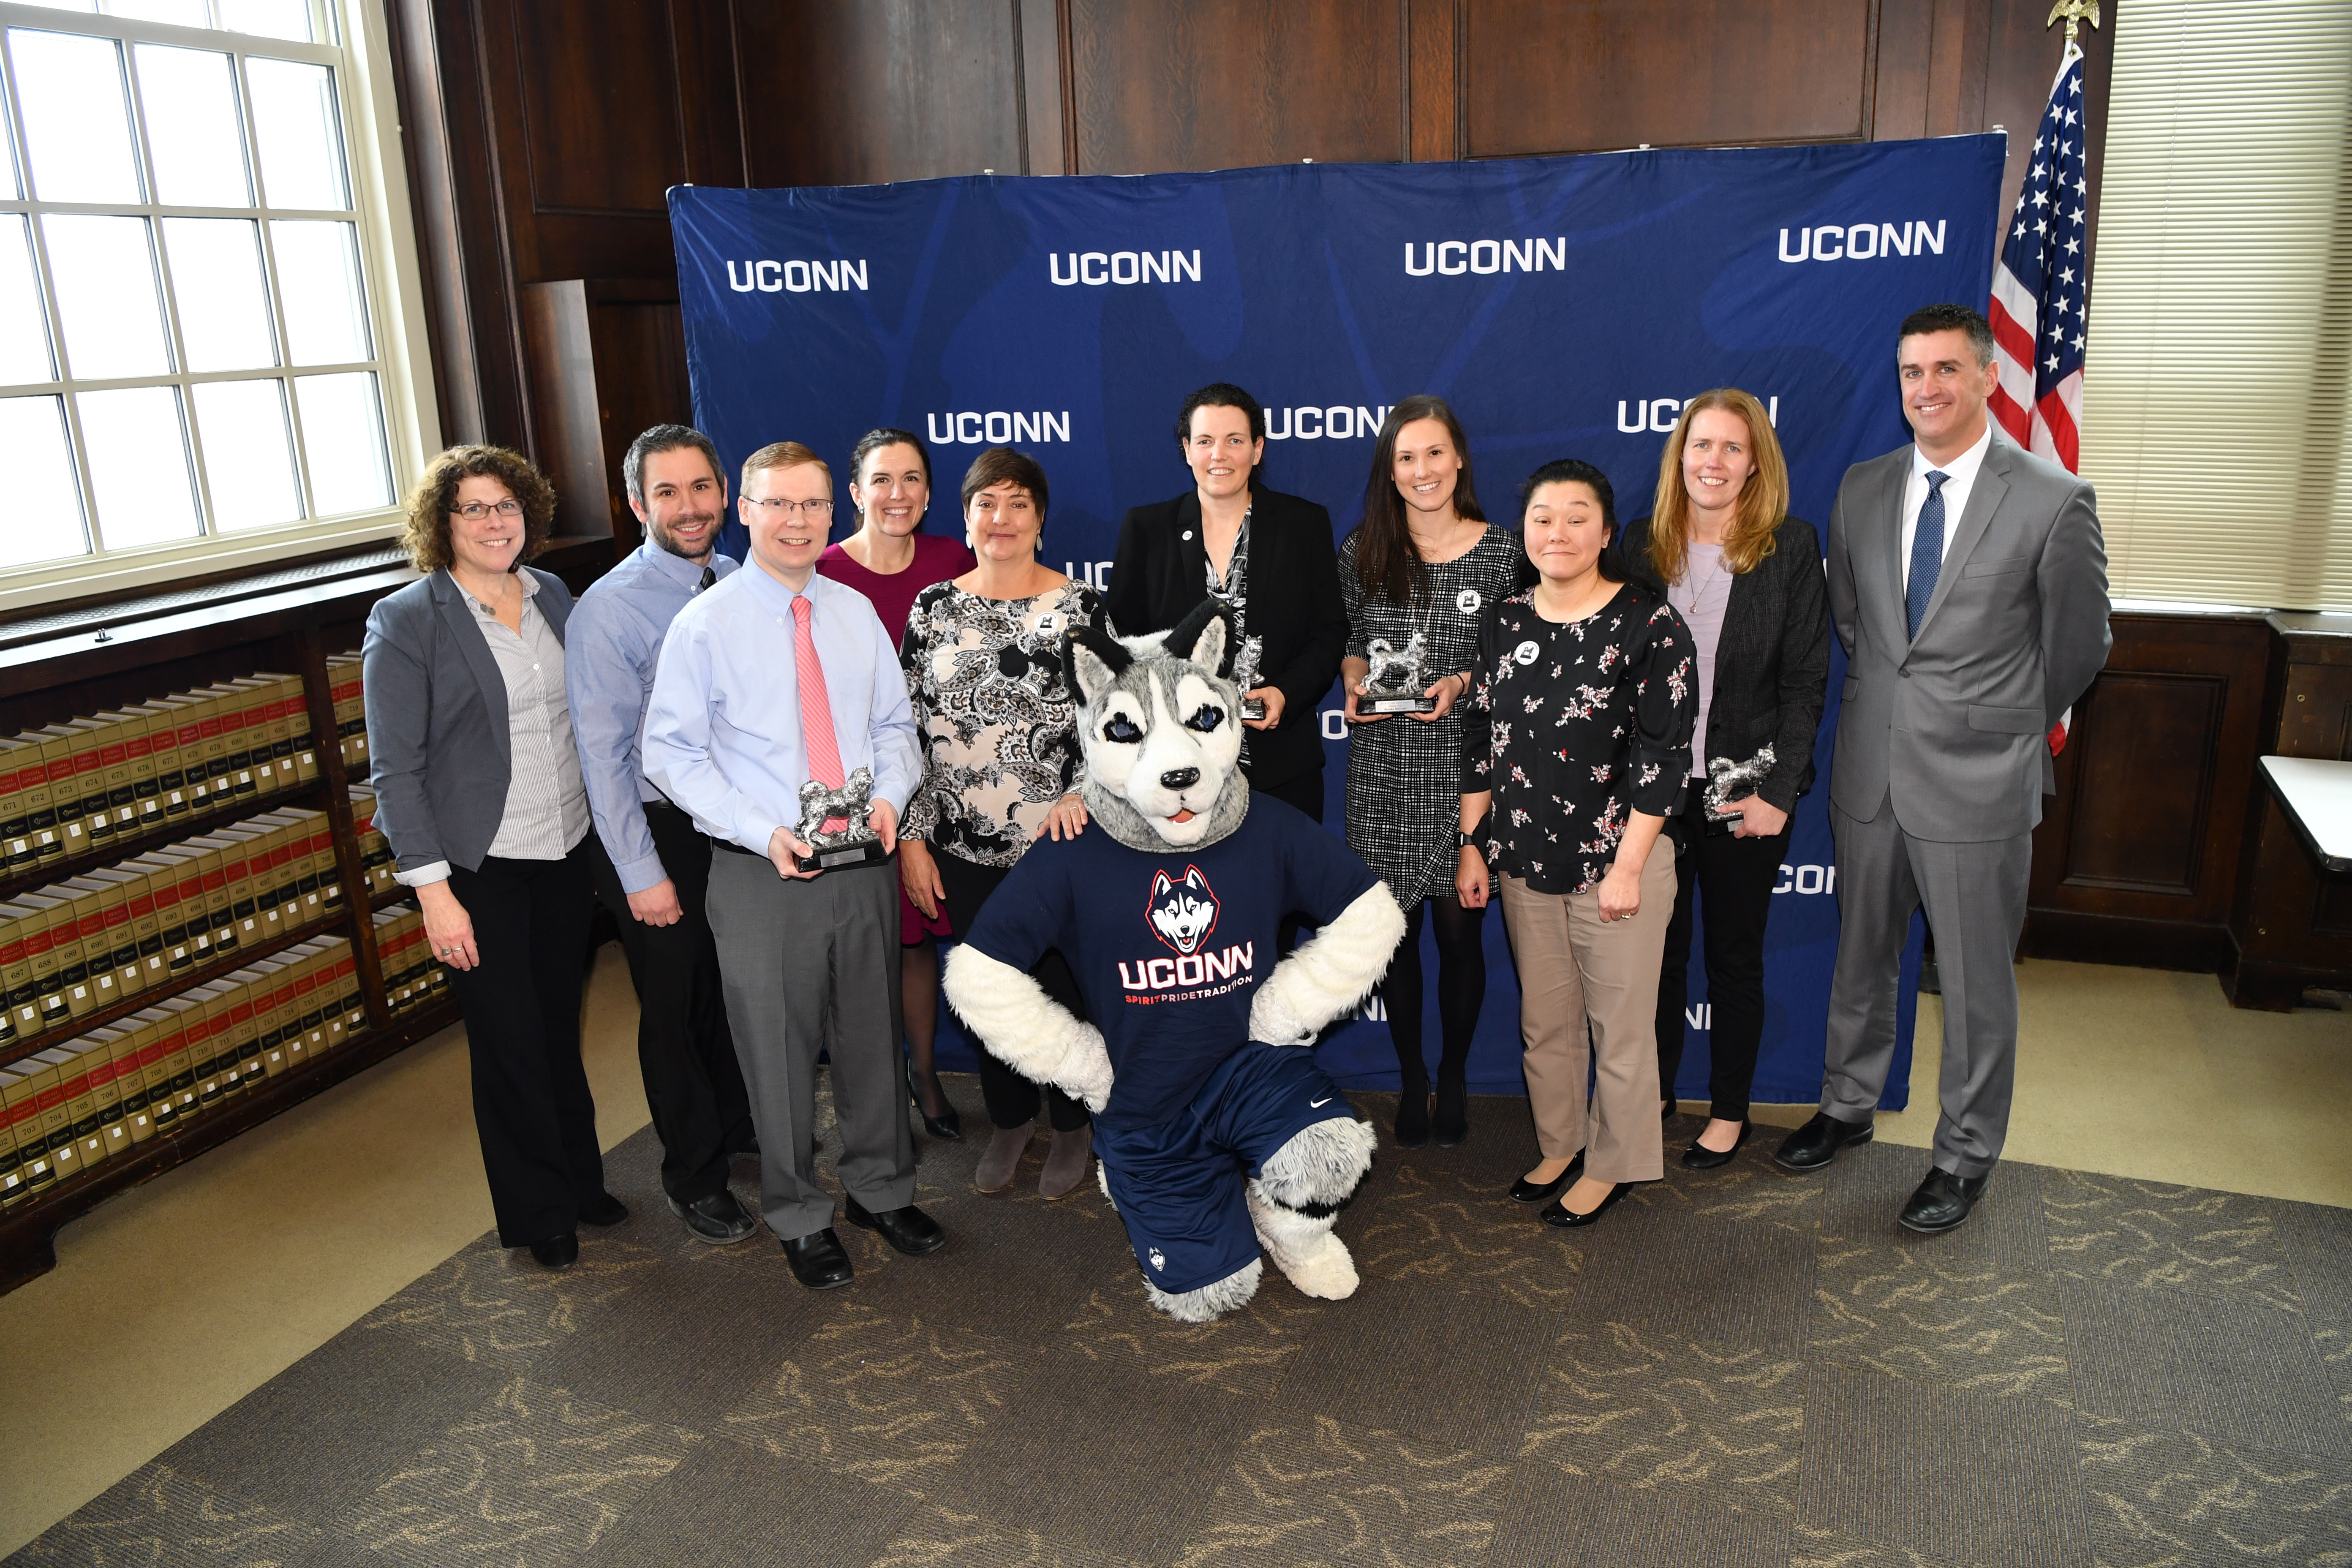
column 816, row 708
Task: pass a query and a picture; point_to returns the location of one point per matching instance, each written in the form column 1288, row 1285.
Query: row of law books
column 74, row 786
column 79, row 946
column 375, row 854
column 345, row 689
column 66, row 1110
column 412, row 975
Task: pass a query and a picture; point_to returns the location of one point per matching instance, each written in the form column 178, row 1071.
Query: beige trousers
column 1576, row 970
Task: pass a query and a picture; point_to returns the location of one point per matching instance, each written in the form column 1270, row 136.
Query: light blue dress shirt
column 615, row 640
column 723, row 735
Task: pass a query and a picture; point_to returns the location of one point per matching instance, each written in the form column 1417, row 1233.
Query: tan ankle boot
column 1003, row 1156
column 1067, row 1162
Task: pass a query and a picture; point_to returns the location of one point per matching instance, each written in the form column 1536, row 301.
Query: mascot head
column 1160, row 723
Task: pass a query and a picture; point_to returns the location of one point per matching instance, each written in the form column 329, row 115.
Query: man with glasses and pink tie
column 773, row 679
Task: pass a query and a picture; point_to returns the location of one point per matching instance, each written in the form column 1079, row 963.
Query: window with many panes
column 193, row 321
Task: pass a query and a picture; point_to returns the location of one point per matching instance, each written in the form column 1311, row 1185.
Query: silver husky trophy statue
column 1398, row 678
column 1727, row 780
column 1246, row 677
column 855, row 844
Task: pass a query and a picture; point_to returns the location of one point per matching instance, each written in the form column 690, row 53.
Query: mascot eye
column 1122, row 730
column 1205, row 719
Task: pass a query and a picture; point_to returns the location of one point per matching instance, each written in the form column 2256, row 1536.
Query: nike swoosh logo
column 1313, row 1103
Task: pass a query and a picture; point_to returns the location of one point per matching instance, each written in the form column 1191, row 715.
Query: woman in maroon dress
column 890, row 561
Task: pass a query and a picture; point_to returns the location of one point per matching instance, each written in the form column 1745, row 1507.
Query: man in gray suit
column 1968, row 584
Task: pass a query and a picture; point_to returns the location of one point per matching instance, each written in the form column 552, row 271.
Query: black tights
column 1461, row 988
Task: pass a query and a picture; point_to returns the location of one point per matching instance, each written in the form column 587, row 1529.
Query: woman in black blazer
column 1267, row 555
column 1746, row 578
column 479, row 793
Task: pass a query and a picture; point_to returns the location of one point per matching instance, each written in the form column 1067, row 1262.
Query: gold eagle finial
column 2074, row 11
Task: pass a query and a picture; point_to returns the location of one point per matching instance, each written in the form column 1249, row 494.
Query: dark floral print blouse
column 1575, row 725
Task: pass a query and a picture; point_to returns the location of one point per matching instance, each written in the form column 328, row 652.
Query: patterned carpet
column 1734, row 1367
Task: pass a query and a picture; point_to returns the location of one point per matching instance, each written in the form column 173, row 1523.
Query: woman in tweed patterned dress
column 1423, row 560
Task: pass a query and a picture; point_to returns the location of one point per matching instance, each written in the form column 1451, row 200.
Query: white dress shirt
column 1963, row 471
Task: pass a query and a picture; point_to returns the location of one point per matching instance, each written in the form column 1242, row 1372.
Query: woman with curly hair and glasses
column 479, row 793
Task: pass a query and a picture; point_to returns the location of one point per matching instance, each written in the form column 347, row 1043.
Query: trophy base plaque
column 839, row 856
column 1406, row 703
column 1251, row 710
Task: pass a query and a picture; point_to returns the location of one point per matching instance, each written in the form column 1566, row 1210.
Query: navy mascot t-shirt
column 1168, row 948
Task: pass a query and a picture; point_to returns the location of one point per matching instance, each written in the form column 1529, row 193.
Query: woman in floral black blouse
column 1575, row 747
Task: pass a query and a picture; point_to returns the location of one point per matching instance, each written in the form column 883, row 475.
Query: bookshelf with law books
column 198, row 922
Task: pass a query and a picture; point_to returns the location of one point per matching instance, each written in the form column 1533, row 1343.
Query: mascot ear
column 1092, row 659
column 1206, row 635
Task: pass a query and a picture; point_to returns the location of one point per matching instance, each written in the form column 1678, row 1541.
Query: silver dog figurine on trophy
column 1398, row 679
column 1245, row 665
column 856, row 843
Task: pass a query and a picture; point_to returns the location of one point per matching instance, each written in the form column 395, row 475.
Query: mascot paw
column 1274, row 1024
column 1211, row 1302
column 1085, row 1073
column 1324, row 1270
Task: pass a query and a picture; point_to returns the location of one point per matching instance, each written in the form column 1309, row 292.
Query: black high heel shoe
column 1699, row 1157
column 1526, row 1191
column 1559, row 1213
column 947, row 1124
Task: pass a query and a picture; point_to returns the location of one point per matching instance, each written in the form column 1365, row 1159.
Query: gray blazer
column 1952, row 727
column 439, row 750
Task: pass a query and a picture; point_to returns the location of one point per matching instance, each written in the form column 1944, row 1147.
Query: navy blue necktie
column 1926, row 554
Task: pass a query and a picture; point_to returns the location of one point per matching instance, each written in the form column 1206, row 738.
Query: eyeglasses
column 474, row 510
column 779, row 507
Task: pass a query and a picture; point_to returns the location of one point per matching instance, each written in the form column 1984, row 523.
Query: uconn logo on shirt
column 1182, row 913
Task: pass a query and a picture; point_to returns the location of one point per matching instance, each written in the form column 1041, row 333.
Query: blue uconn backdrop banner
column 1564, row 306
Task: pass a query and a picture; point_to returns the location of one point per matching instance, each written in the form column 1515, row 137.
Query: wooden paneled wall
column 541, row 134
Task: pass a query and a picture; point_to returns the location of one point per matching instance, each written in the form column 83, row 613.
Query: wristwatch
column 1466, row 841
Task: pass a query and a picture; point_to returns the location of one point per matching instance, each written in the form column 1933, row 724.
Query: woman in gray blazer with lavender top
column 479, row 793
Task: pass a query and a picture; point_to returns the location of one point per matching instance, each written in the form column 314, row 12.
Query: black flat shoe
column 1942, row 1202
column 1699, row 1157
column 609, row 1210
column 1817, row 1143
column 908, row 1230
column 1413, row 1119
column 557, row 1251
column 818, row 1259
column 1557, row 1213
column 1450, row 1127
column 947, row 1124
column 1526, row 1191
column 717, row 1219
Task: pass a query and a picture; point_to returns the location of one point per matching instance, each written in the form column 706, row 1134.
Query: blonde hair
column 1763, row 500
column 783, row 455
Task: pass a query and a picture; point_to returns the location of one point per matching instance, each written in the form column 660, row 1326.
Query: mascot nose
column 1179, row 778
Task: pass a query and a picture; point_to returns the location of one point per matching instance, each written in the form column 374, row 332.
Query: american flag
column 2041, row 290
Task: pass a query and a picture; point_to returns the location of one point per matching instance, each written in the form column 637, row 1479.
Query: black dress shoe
column 717, row 1219
column 1817, row 1143
column 1556, row 1212
column 947, row 1124
column 1699, row 1157
column 1943, row 1201
column 1412, row 1117
column 557, row 1251
column 1526, row 1191
column 908, row 1230
column 1449, row 1128
column 817, row 1259
column 607, row 1210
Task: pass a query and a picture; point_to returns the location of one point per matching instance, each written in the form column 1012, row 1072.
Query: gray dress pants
column 808, row 966
column 1975, row 897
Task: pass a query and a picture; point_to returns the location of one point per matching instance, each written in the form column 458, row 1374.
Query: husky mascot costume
column 1217, row 1131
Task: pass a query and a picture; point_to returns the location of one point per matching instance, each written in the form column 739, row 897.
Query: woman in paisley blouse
column 1001, row 765
column 1576, row 744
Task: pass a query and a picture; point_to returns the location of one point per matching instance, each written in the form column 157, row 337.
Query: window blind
column 2220, row 322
